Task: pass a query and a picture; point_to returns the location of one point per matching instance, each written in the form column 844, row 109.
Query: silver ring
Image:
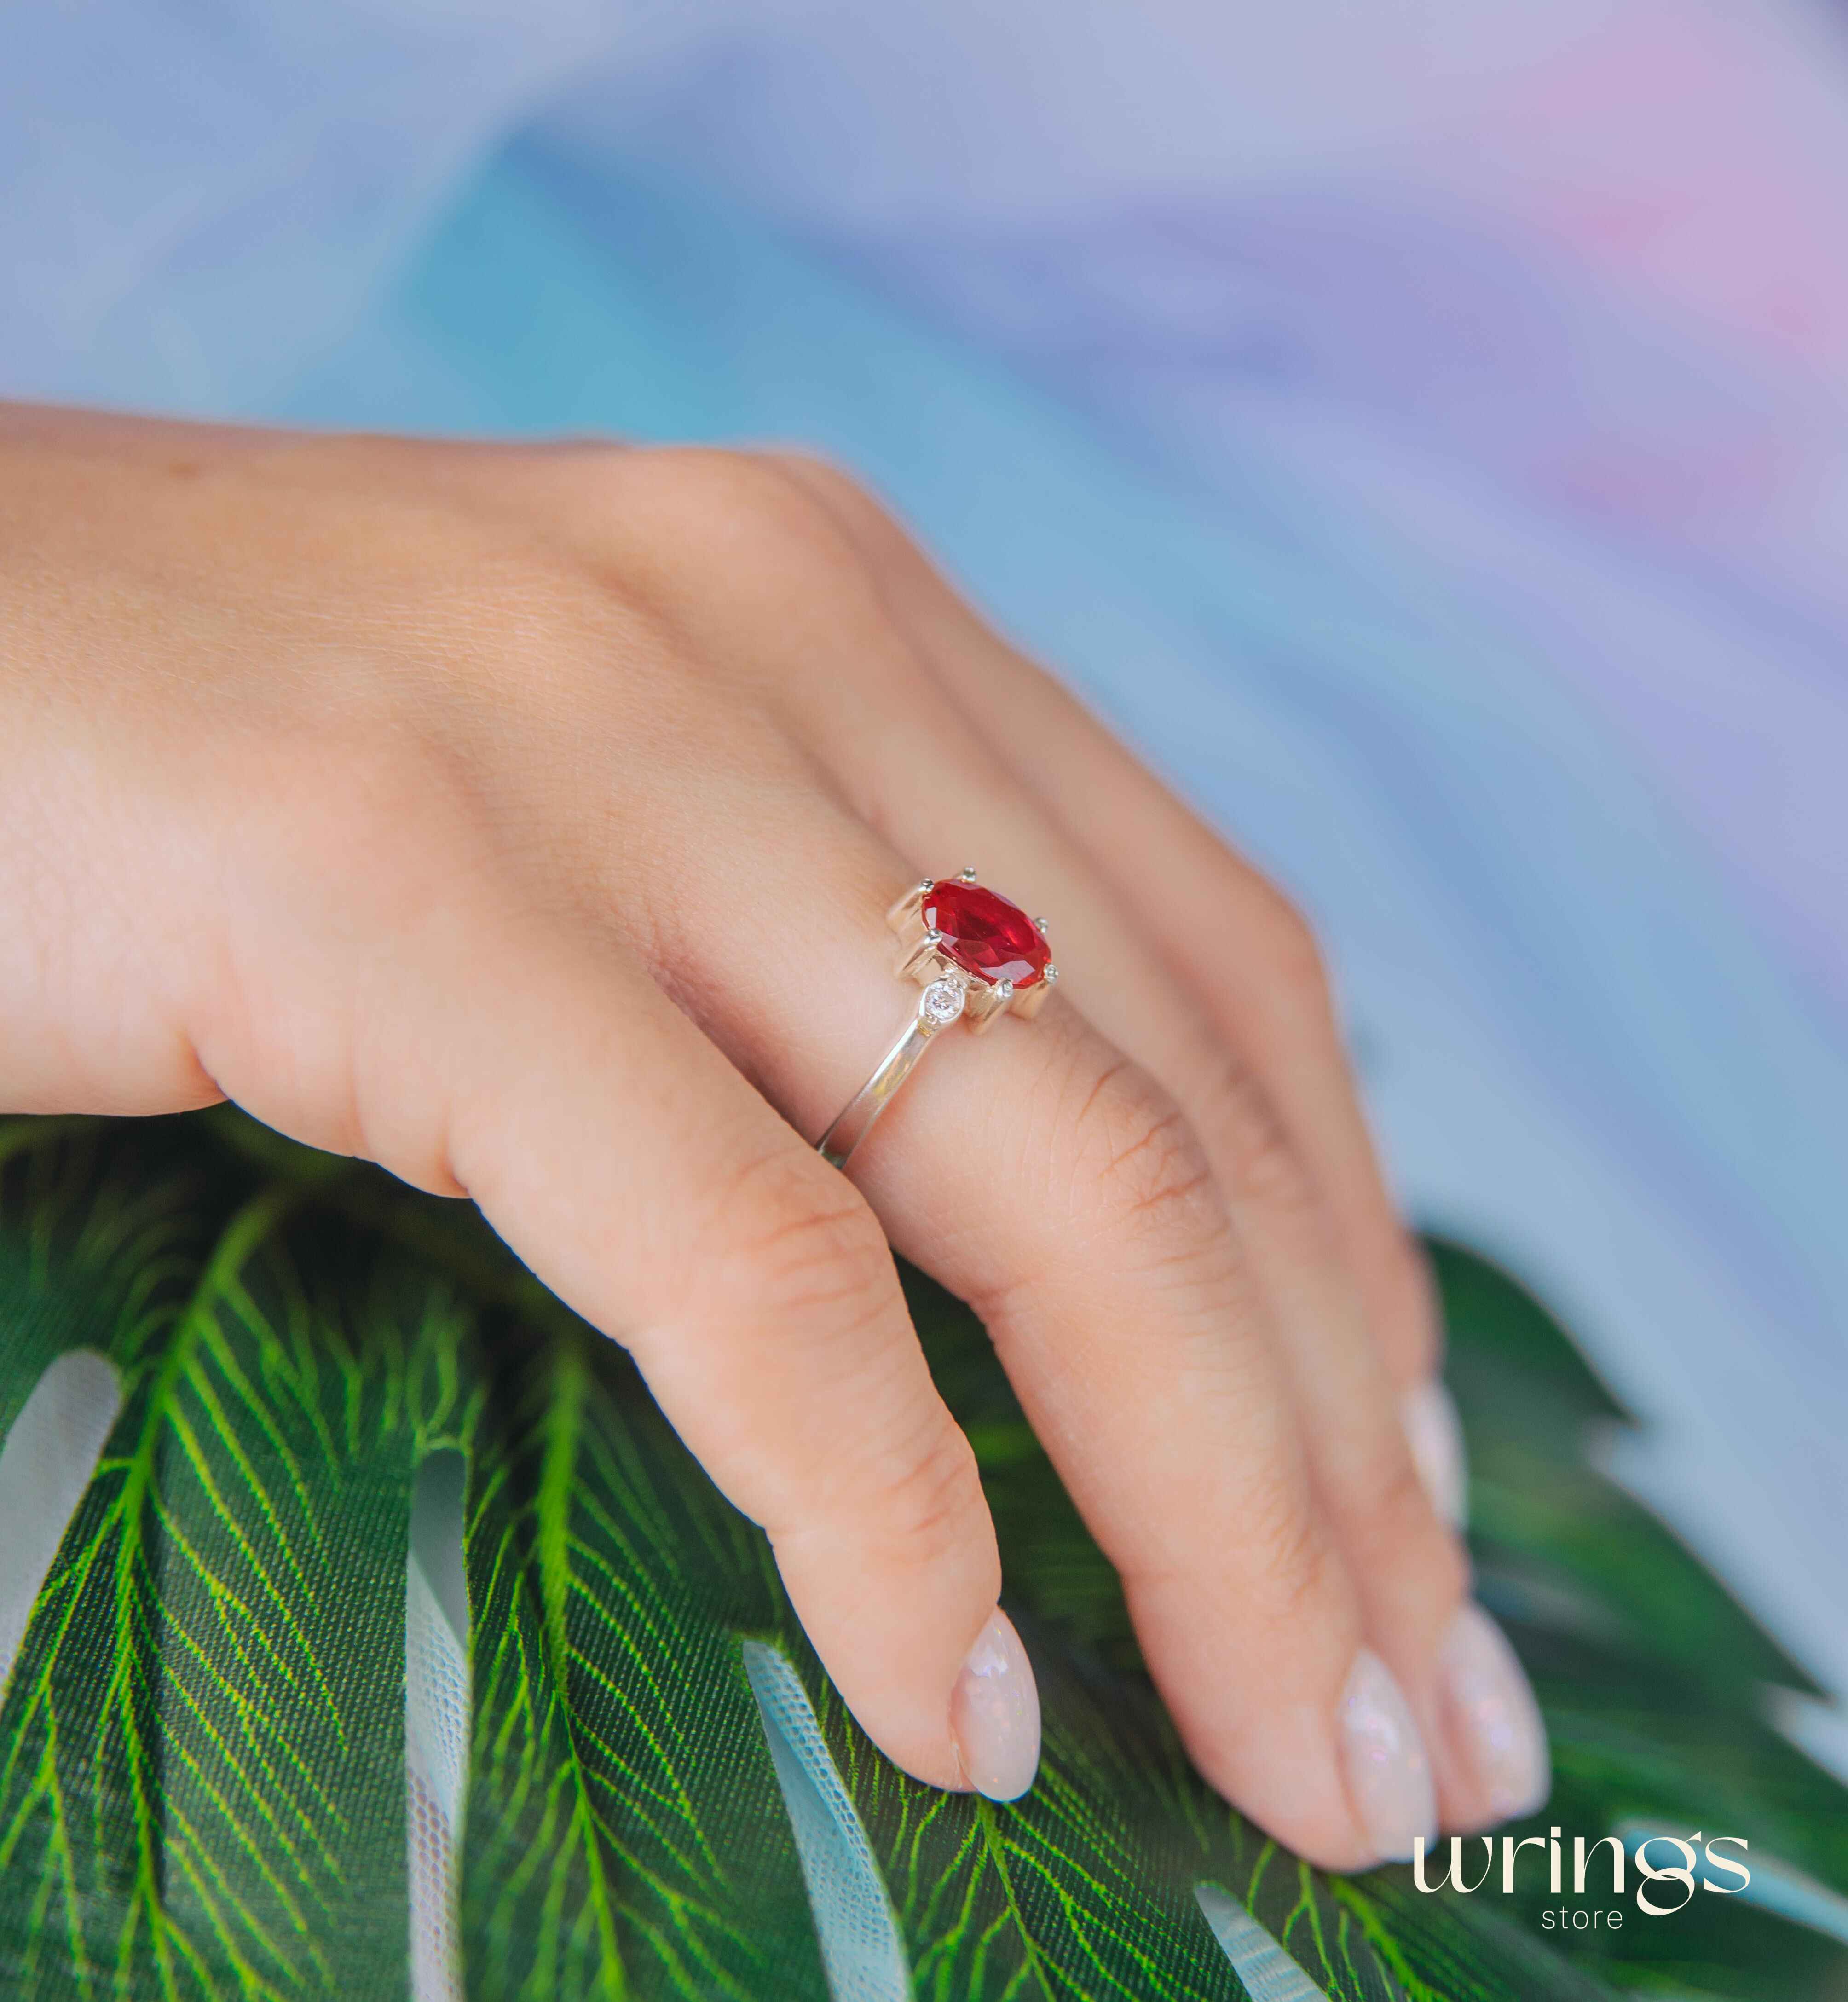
column 976, row 957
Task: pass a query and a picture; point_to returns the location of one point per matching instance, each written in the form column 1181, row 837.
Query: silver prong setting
column 965, row 875
column 906, row 914
column 922, row 962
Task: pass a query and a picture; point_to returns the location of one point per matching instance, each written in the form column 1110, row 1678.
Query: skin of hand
column 524, row 819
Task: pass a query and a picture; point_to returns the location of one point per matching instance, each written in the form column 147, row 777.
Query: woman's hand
column 524, row 820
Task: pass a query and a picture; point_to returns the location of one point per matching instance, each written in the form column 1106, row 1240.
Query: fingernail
column 1490, row 1717
column 995, row 1714
column 1389, row 1776
column 1435, row 1434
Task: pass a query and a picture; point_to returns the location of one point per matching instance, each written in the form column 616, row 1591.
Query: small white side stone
column 942, row 1003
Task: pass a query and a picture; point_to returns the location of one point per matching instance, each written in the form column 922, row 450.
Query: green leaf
column 1560, row 1542
column 1650, row 1675
column 201, row 1745
column 632, row 1840
column 202, row 1748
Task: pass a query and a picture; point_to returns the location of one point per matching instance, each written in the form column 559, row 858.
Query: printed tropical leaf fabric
column 203, row 1737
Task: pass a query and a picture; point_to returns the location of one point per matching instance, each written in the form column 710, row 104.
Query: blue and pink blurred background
column 1422, row 427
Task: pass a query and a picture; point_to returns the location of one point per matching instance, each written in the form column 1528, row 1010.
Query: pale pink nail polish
column 995, row 1714
column 1489, row 1716
column 1389, row 1776
column 1435, row 1434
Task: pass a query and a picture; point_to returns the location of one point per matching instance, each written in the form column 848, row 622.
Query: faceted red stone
column 985, row 934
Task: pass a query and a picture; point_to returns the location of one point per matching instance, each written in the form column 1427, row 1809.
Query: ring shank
column 855, row 1121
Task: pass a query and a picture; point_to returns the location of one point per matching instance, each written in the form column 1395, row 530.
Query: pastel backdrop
column 1421, row 429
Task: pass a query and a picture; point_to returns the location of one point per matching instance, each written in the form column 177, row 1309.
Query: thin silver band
column 855, row 1120
column 950, row 995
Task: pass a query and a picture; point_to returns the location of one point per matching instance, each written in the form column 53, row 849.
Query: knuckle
column 1251, row 1147
column 930, row 1497
column 733, row 482
column 1402, row 1282
column 1139, row 1156
column 1291, row 949
column 791, row 1237
column 1280, row 1547
column 821, row 481
column 818, row 474
column 1390, row 1521
column 384, row 814
column 772, row 514
column 1291, row 1548
column 794, row 551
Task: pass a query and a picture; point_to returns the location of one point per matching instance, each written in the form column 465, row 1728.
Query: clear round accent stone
column 1004, row 990
column 942, row 1003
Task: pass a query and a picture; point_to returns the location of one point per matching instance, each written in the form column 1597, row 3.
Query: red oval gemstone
column 985, row 934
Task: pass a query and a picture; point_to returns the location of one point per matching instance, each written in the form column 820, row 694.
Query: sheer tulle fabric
column 1444, row 481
